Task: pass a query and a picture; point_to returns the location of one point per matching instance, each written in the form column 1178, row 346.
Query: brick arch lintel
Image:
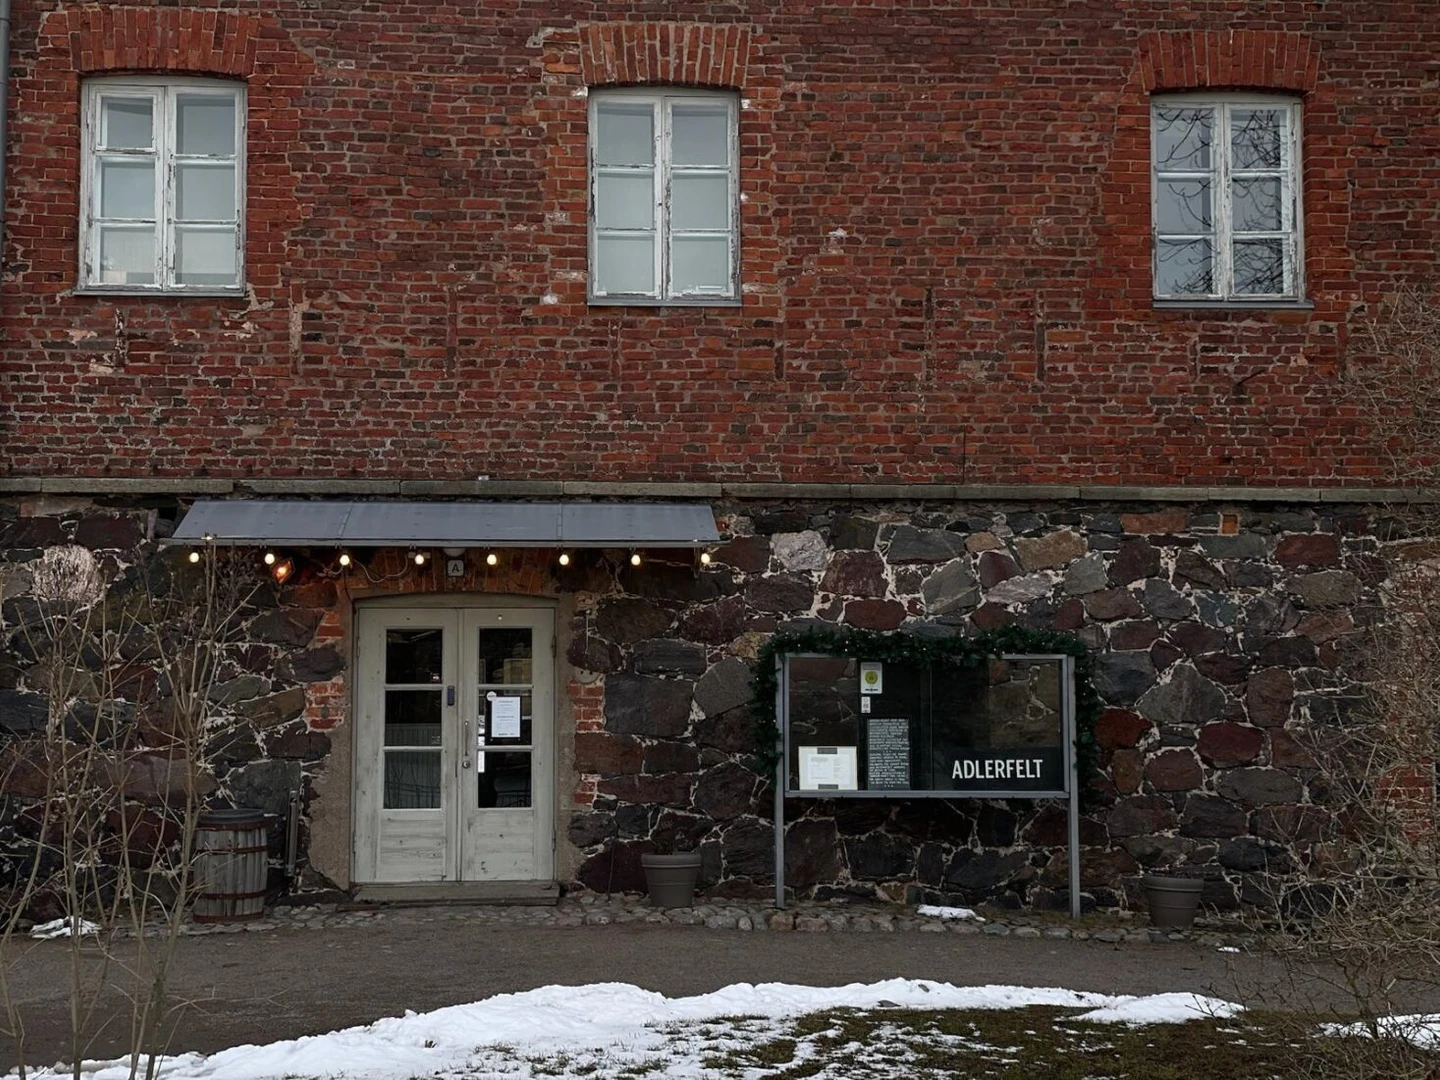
column 1229, row 59
column 104, row 39
column 670, row 53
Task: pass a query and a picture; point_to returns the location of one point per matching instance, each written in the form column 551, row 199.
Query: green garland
column 902, row 648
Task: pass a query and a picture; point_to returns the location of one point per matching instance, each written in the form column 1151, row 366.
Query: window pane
column 205, row 192
column 701, row 264
column 1256, row 138
column 205, row 124
column 1259, row 267
column 412, row 780
column 504, row 779
column 625, row 133
column 1183, row 206
column 699, row 135
column 700, row 201
column 413, row 656
column 204, row 256
column 127, row 255
column 1182, row 139
column 505, row 656
column 1255, row 205
column 625, row 201
column 412, row 717
column 126, row 123
column 127, row 188
column 1184, row 268
column 625, row 264
column 494, row 733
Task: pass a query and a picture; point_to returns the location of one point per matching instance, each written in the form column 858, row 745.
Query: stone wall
column 1219, row 635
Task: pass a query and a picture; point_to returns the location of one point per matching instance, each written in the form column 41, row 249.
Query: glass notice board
column 858, row 727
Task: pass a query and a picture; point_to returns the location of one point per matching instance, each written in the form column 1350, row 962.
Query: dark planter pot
column 671, row 878
column 1173, row 900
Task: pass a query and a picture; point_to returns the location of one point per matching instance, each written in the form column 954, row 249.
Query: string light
column 419, row 558
column 270, row 558
column 564, row 558
column 344, row 558
column 194, row 556
column 635, row 558
column 704, row 558
column 491, row 559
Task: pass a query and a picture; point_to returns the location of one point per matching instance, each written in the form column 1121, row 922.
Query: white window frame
column 1220, row 174
column 163, row 94
column 662, row 100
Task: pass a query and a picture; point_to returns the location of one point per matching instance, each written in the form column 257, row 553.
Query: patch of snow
column 1162, row 1009
column 1228, row 948
column 937, row 912
column 1421, row 1029
column 58, row 928
column 613, row 1018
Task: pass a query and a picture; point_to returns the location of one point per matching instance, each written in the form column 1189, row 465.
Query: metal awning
column 281, row 523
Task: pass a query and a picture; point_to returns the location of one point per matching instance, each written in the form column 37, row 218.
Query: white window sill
column 114, row 290
column 1234, row 305
column 647, row 302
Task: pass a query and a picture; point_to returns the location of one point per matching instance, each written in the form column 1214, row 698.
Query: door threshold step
column 439, row 894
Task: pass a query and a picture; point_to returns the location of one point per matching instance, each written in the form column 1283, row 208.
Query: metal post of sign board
column 1072, row 775
column 782, row 719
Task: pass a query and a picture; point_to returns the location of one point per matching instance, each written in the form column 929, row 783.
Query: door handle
column 465, row 744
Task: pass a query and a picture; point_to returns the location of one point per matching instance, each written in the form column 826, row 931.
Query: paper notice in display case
column 505, row 717
column 828, row 768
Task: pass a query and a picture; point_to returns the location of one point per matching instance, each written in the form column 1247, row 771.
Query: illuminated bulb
column 194, row 556
column 564, row 558
column 419, row 558
column 704, row 558
column 283, row 570
column 269, row 558
column 492, row 559
column 344, row 558
column 635, row 558
column 209, row 538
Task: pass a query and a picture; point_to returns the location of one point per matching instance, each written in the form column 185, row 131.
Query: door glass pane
column 625, row 264
column 1182, row 206
column 1256, row 138
column 413, row 656
column 1183, row 268
column 699, row 201
column 699, row 135
column 506, row 656
column 504, row 779
column 126, row 124
column 412, row 717
column 1182, row 139
column 1255, row 204
column 625, row 200
column 412, row 780
column 127, row 254
column 205, row 192
column 701, row 264
column 205, row 124
column 500, row 724
column 127, row 188
column 625, row 133
column 1259, row 267
column 205, row 256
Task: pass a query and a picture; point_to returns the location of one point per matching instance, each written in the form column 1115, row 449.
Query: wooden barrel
column 231, row 866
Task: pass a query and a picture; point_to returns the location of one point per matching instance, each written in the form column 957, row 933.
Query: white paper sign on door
column 505, row 717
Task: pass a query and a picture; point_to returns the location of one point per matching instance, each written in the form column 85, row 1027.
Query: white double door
column 454, row 736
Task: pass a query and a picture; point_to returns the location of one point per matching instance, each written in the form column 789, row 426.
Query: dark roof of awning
column 447, row 524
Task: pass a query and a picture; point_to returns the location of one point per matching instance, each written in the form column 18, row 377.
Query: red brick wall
column 945, row 246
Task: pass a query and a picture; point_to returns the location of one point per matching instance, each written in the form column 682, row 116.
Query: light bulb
column 635, row 558
column 344, row 558
column 492, row 559
column 269, row 558
column 194, row 556
column 564, row 558
column 704, row 558
column 282, row 570
column 419, row 558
